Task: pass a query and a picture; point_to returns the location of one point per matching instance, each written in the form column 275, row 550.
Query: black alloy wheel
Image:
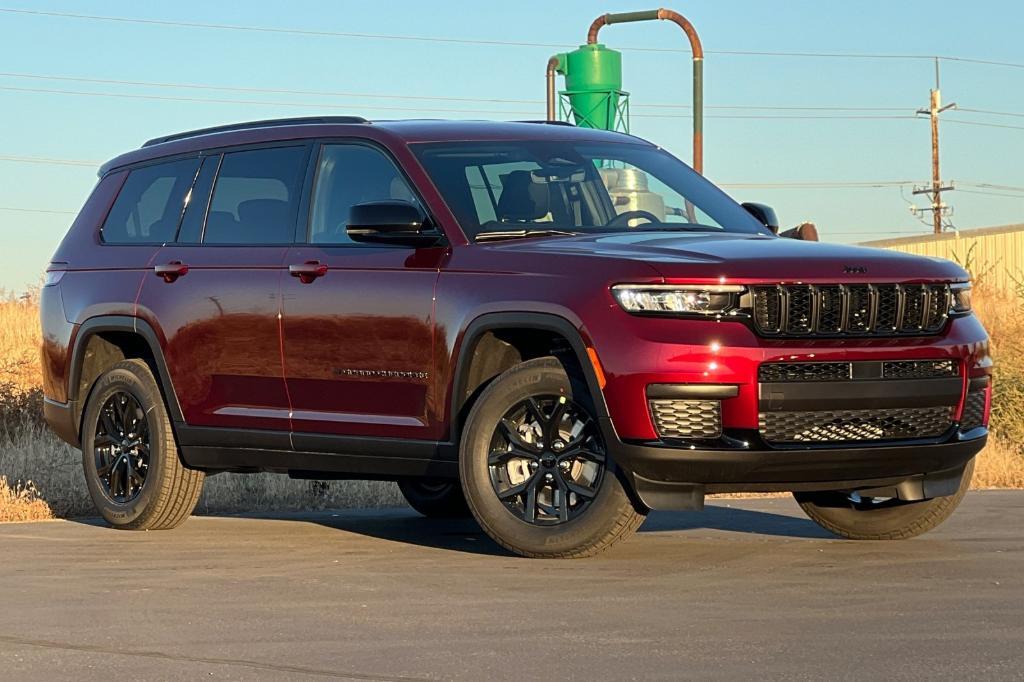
column 546, row 460
column 122, row 447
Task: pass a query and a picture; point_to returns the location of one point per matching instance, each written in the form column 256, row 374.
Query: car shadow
column 405, row 526
column 464, row 535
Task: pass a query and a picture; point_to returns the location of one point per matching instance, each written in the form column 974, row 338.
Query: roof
column 946, row 236
column 398, row 131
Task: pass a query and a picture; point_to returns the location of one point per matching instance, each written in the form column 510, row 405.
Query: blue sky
column 738, row 150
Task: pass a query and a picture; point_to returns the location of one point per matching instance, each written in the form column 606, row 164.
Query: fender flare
column 549, row 322
column 133, row 325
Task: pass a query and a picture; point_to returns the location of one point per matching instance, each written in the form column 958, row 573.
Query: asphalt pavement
column 747, row 589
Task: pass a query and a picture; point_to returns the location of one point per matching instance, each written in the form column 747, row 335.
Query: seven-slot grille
column 850, row 309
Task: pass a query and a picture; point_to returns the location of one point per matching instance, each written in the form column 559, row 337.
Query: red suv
column 551, row 328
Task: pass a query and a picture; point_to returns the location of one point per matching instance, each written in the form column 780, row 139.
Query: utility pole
column 938, row 208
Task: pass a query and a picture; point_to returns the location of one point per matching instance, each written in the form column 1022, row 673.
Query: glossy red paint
column 370, row 347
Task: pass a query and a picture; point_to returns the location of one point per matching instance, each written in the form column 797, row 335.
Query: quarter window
column 349, row 175
column 256, row 197
column 149, row 205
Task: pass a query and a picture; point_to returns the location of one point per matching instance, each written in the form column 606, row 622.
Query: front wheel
column 873, row 518
column 534, row 468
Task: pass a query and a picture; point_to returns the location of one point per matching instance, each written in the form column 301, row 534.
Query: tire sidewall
column 533, row 378
column 127, row 380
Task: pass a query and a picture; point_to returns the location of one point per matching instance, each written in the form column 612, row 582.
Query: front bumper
column 666, row 477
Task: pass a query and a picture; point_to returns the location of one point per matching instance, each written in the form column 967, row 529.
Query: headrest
column 262, row 211
column 522, row 199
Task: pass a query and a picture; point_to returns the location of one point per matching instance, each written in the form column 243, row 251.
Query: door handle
column 171, row 271
column 308, row 271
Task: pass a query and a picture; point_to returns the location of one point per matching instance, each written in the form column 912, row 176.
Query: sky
column 758, row 150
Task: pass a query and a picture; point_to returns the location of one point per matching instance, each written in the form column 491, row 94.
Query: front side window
column 256, row 197
column 499, row 189
column 150, row 203
column 351, row 174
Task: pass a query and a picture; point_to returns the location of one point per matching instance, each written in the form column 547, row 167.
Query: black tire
column 603, row 516
column 881, row 519
column 435, row 499
column 137, row 490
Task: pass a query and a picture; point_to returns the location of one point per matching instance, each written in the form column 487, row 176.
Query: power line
column 989, row 185
column 36, row 210
column 983, row 124
column 814, row 184
column 479, row 41
column 1015, row 114
column 330, row 93
column 380, row 107
column 56, row 162
column 992, row 194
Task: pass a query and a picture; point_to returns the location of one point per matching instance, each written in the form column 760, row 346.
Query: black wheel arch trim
column 548, row 322
column 121, row 323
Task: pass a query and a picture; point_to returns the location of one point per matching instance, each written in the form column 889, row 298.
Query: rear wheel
column 874, row 518
column 535, row 470
column 435, row 499
column 130, row 458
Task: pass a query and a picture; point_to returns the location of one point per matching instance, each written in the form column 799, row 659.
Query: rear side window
column 149, row 206
column 256, row 197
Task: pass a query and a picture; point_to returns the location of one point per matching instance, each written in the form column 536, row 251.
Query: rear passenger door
column 215, row 292
column 358, row 341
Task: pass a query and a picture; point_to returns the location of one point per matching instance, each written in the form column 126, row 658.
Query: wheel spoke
column 107, row 421
column 573, row 487
column 513, row 436
column 561, row 499
column 500, row 457
column 103, row 440
column 551, row 428
column 530, row 504
column 582, row 453
column 534, row 406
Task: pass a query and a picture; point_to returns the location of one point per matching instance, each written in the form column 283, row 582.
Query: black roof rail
column 270, row 123
column 550, row 123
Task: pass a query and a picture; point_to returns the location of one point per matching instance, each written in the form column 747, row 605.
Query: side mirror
column 765, row 215
column 390, row 222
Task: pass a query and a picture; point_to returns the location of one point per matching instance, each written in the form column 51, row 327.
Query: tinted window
column 150, row 203
column 255, row 197
column 350, row 175
column 579, row 187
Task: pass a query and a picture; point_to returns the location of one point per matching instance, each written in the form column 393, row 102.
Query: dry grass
column 30, row 452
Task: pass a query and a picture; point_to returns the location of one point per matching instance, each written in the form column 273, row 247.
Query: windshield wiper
column 519, row 234
column 676, row 227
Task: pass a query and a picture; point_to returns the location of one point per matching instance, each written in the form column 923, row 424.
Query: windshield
column 510, row 189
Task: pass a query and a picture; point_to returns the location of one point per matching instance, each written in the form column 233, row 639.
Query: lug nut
column 558, row 446
column 548, row 478
column 533, row 465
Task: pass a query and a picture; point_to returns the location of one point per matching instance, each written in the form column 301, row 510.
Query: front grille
column 844, row 426
column 689, row 419
column 839, row 310
column 974, row 411
column 786, row 372
column 779, row 372
column 919, row 369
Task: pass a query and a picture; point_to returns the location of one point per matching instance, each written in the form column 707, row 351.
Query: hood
column 747, row 257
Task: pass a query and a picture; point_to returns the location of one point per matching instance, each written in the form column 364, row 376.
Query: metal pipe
column 552, row 113
column 698, row 64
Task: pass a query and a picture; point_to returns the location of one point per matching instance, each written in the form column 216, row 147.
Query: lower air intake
column 851, row 426
column 687, row 419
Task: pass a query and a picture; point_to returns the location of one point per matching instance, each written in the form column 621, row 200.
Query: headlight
column 961, row 297
column 677, row 299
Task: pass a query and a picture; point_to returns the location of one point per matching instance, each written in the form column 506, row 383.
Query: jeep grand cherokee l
column 550, row 328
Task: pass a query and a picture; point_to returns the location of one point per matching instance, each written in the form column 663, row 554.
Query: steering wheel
column 624, row 218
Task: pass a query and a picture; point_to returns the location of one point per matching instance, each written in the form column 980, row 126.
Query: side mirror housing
column 390, row 222
column 765, row 215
